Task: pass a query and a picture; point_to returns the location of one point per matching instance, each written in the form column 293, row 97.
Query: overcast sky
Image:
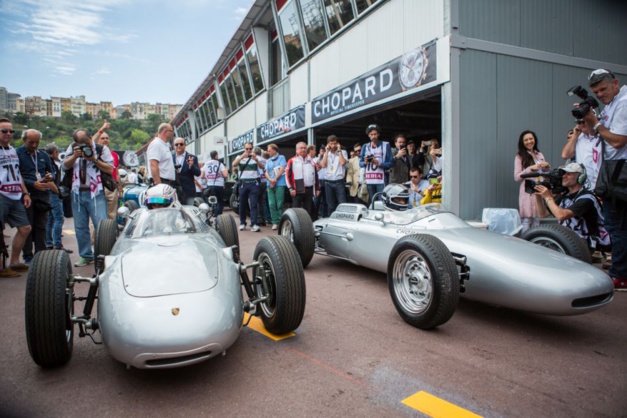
column 113, row 50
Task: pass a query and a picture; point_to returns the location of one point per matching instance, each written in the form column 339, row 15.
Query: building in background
column 472, row 74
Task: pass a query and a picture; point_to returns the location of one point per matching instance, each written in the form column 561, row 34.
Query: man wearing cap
column 611, row 126
column 376, row 157
column 578, row 209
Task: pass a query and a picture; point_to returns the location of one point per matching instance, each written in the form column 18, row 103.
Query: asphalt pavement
column 352, row 356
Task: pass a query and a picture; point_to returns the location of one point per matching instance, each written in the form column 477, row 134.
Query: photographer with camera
column 375, row 158
column 584, row 146
column 334, row 162
column 84, row 166
column 611, row 126
column 402, row 161
column 248, row 165
column 576, row 207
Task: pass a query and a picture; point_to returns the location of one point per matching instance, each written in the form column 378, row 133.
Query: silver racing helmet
column 395, row 197
column 161, row 196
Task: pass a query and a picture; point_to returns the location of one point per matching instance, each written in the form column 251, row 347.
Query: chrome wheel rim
column 266, row 285
column 287, row 230
column 549, row 243
column 412, row 281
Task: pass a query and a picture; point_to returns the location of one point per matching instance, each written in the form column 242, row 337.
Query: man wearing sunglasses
column 187, row 168
column 248, row 165
column 12, row 189
column 611, row 126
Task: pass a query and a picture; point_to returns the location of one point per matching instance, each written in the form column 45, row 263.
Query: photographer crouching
column 575, row 207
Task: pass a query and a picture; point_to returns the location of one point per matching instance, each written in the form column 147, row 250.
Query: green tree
column 138, row 136
column 20, row 118
column 86, row 117
column 69, row 117
column 127, row 114
column 103, row 114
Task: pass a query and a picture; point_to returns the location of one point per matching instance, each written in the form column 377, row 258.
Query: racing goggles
column 158, row 200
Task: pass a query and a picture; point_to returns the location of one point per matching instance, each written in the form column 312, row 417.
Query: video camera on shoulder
column 585, row 105
column 552, row 180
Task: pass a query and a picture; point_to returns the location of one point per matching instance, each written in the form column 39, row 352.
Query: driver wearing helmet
column 396, row 197
column 161, row 196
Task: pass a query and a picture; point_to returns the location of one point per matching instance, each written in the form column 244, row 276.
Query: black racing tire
column 423, row 281
column 226, row 227
column 197, row 201
column 131, row 205
column 234, row 203
column 279, row 276
column 296, row 225
column 106, row 235
column 561, row 239
column 49, row 306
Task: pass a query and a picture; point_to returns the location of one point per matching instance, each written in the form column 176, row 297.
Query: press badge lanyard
column 34, row 158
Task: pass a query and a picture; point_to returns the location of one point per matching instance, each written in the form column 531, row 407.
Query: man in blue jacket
column 376, row 158
column 36, row 168
column 187, row 168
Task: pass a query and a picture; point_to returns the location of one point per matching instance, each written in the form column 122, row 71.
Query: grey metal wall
column 579, row 28
column 500, row 96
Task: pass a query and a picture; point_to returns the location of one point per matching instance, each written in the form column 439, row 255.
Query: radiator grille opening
column 175, row 360
column 592, row 300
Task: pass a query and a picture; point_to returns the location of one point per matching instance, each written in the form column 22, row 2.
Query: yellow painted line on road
column 68, row 231
column 257, row 325
column 436, row 407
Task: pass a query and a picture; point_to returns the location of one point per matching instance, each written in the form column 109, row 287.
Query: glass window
column 255, row 72
column 314, row 23
column 203, row 111
column 231, row 91
column 275, row 63
column 237, row 83
column 225, row 98
column 213, row 107
column 243, row 73
column 364, row 4
column 207, row 107
column 291, row 33
column 199, row 120
column 339, row 13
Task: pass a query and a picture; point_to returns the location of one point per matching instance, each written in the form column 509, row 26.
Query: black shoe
column 67, row 250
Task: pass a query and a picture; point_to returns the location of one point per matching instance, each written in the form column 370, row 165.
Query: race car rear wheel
column 106, row 234
column 225, row 224
column 296, row 225
column 423, row 281
column 281, row 279
column 131, row 205
column 49, row 306
column 561, row 239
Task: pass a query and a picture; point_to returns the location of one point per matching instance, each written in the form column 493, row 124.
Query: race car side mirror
column 204, row 208
column 123, row 212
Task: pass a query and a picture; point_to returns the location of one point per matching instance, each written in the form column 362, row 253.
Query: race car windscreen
column 165, row 221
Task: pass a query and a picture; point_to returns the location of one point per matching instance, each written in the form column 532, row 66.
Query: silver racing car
column 430, row 256
column 169, row 290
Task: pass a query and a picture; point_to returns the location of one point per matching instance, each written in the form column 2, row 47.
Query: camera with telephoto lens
column 88, row 152
column 585, row 105
column 552, row 180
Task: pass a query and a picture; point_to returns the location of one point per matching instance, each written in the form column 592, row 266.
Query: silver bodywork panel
column 170, row 297
column 504, row 271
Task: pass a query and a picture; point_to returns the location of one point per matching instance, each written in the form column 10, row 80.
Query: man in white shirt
column 160, row 156
column 334, row 162
column 214, row 172
column 585, row 147
column 416, row 186
column 132, row 176
column 301, row 176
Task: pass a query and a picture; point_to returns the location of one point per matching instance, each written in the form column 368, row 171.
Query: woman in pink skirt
column 528, row 159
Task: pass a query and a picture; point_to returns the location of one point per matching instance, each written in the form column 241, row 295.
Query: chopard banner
column 411, row 70
column 237, row 143
column 290, row 121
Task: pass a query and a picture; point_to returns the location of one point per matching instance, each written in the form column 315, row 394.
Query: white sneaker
column 242, row 227
column 255, row 228
column 275, row 227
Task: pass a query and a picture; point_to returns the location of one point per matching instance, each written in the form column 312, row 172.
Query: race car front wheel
column 106, row 235
column 281, row 280
column 225, row 225
column 423, row 281
column 296, row 225
column 559, row 238
column 49, row 306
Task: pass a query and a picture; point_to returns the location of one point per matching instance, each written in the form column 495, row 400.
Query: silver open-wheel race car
column 168, row 290
column 431, row 256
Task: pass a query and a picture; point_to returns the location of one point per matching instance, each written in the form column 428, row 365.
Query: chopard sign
column 291, row 121
column 411, row 70
column 237, row 143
